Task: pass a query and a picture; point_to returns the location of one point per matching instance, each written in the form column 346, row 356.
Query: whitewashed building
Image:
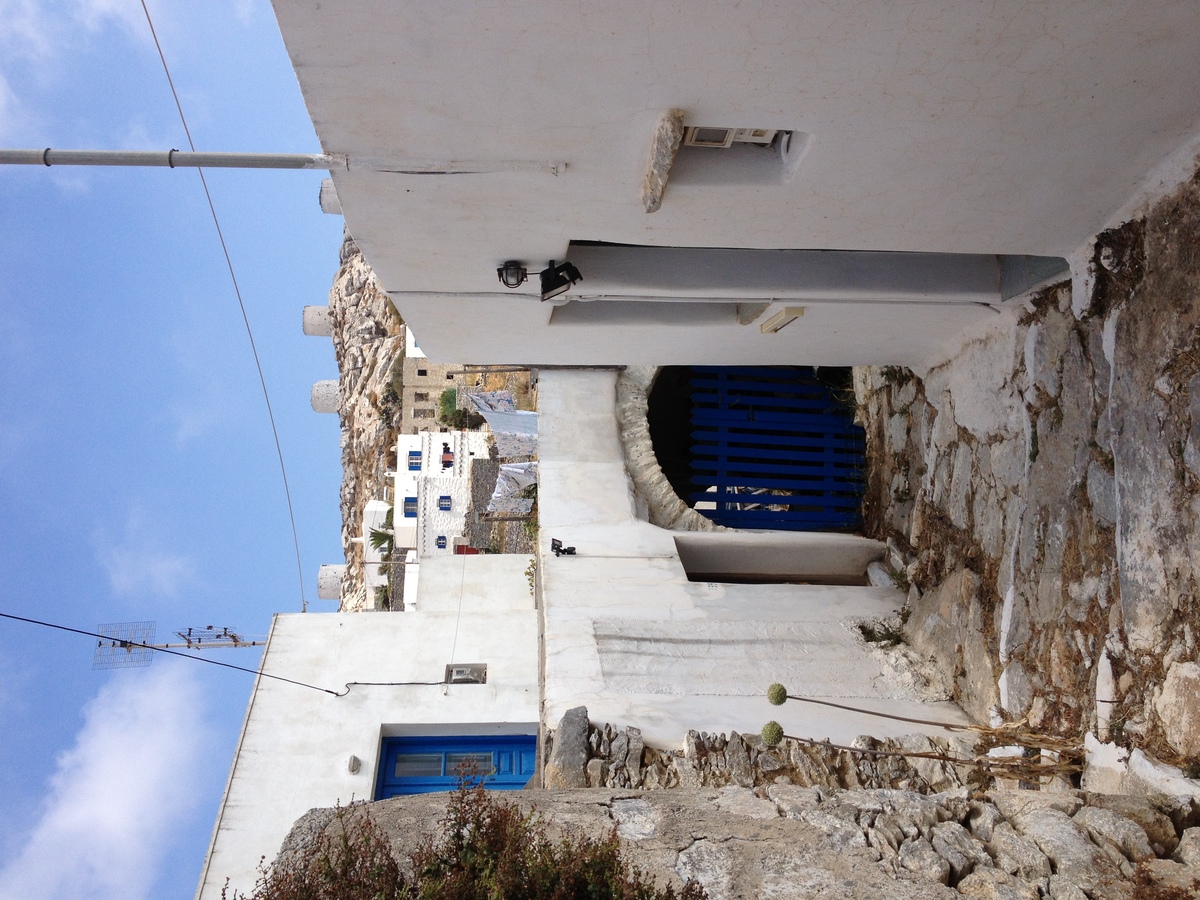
column 367, row 700
column 530, row 132
column 433, row 488
column 927, row 163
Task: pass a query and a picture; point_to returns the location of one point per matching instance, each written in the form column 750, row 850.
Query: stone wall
column 656, row 500
column 1041, row 489
column 784, row 841
column 579, row 754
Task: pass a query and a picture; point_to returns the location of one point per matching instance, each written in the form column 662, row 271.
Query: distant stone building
column 424, row 382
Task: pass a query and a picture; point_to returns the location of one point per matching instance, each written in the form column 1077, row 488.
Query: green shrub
column 487, row 850
column 463, row 420
column 356, row 864
column 447, row 403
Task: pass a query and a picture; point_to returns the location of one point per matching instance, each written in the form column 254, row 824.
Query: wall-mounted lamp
column 512, row 274
column 781, row 319
column 353, row 764
column 558, row 279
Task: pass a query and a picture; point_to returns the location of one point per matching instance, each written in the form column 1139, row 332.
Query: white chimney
column 329, row 581
column 316, row 321
column 326, row 397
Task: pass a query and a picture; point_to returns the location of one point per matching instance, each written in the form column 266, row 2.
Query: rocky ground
column 785, row 841
column 1040, row 493
column 368, row 342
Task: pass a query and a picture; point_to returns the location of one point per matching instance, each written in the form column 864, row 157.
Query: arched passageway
column 761, row 447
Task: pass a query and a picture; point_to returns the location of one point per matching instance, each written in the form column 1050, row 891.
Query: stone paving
column 1039, row 493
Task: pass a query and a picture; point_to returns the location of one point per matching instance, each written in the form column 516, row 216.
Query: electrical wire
column 214, row 662
column 241, row 303
column 458, row 618
column 949, row 726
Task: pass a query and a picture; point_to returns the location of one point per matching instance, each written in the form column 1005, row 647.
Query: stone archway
column 657, row 501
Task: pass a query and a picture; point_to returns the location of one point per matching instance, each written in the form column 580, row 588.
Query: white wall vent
column 721, row 138
column 702, row 136
column 466, row 673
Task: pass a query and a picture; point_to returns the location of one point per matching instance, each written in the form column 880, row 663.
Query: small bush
column 356, row 864
column 487, row 850
column 463, row 420
column 881, row 632
column 447, row 403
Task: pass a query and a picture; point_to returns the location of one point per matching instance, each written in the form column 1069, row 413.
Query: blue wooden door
column 422, row 765
column 774, row 448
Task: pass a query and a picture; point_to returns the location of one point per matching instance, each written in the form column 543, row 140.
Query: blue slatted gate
column 778, row 447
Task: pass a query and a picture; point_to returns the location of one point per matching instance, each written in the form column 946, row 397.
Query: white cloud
column 195, row 421
column 37, row 41
column 142, row 560
column 119, row 795
column 26, row 29
column 126, row 14
column 245, row 10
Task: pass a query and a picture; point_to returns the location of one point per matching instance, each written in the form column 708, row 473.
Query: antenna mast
column 128, row 645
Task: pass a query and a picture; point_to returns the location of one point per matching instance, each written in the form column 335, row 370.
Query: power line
column 213, row 662
column 241, row 303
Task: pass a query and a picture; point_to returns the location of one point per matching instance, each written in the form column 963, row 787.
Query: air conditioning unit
column 466, row 673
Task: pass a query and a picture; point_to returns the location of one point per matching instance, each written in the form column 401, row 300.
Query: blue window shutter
column 407, row 765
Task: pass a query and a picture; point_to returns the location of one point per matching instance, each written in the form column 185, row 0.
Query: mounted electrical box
column 466, row 673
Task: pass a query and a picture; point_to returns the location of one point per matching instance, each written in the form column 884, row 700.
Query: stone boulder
column 1178, row 707
column 567, row 766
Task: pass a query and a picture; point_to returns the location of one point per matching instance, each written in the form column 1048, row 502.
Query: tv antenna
column 128, row 645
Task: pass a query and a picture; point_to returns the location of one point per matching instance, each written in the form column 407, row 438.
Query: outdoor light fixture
column 512, row 274
column 558, row 279
column 557, row 548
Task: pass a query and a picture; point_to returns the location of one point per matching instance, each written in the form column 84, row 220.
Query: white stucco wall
column 434, row 522
column 374, row 514
column 1012, row 129
column 296, row 742
column 432, row 481
column 627, row 635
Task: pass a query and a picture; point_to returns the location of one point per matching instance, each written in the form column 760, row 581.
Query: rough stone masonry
column 784, row 841
column 1040, row 494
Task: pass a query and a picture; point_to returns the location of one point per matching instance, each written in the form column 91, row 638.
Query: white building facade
column 376, row 681
column 433, row 488
column 927, row 163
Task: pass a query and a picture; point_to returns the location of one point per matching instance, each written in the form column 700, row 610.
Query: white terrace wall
column 1028, row 143
column 296, row 743
column 630, row 637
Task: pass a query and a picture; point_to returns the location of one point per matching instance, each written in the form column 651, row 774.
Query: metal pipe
column 170, row 158
column 176, row 158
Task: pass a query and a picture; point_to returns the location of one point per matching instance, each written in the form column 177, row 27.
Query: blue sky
column 138, row 477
